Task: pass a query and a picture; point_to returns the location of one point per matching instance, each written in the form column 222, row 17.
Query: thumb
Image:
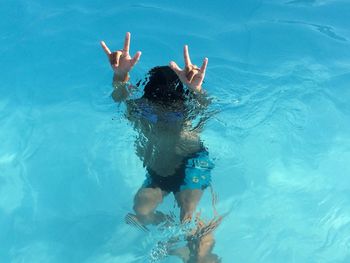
column 175, row 67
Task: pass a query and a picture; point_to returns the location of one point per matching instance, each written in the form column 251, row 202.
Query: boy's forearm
column 202, row 98
column 120, row 87
column 121, row 77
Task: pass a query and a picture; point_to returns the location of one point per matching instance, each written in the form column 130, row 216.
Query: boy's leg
column 197, row 177
column 187, row 200
column 146, row 201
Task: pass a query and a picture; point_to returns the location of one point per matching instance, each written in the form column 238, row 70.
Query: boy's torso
column 163, row 144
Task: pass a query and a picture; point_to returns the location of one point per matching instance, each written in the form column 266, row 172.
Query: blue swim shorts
column 194, row 173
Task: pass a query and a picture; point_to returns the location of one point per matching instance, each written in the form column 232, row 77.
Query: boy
column 170, row 148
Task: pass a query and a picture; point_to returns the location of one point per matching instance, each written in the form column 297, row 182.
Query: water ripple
column 326, row 30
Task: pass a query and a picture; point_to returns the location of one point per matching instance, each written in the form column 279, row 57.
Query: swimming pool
column 278, row 72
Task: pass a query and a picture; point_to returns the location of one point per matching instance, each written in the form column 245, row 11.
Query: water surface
column 279, row 75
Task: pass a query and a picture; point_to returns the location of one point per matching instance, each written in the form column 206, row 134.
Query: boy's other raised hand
column 120, row 60
column 190, row 75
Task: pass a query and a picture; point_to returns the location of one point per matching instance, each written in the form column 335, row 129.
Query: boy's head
column 164, row 85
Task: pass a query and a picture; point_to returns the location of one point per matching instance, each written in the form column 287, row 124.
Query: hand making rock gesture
column 120, row 60
column 191, row 75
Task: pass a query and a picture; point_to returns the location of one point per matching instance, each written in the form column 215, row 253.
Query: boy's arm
column 121, row 63
column 202, row 98
column 121, row 88
column 191, row 75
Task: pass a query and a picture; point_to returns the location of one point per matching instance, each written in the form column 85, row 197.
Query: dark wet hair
column 163, row 85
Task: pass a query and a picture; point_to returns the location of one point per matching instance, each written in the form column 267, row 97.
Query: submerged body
column 165, row 137
column 170, row 148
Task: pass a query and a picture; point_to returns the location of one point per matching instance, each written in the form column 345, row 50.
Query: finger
column 136, row 58
column 105, row 48
column 204, row 65
column 190, row 75
column 187, row 56
column 115, row 58
column 175, row 67
column 194, row 67
column 127, row 42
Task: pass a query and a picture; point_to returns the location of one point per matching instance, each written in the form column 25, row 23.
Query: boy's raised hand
column 190, row 75
column 120, row 60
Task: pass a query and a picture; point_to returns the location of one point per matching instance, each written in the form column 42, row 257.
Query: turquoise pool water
column 279, row 74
